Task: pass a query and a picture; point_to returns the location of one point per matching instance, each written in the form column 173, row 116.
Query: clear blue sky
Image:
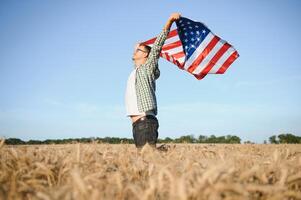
column 64, row 67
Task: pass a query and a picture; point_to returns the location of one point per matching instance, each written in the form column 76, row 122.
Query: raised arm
column 157, row 46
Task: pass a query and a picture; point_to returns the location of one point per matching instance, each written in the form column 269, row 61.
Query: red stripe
column 227, row 63
column 215, row 58
column 166, row 56
column 180, row 65
column 205, row 52
column 178, row 55
column 149, row 42
column 172, row 45
column 176, row 62
column 199, row 76
column 172, row 33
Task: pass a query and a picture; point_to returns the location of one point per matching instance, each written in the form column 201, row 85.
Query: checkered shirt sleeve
column 146, row 77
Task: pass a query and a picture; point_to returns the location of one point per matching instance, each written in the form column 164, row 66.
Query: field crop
column 184, row 171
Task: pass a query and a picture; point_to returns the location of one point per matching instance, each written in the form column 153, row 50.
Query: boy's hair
column 147, row 48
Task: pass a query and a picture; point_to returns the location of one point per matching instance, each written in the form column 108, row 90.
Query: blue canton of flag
column 191, row 34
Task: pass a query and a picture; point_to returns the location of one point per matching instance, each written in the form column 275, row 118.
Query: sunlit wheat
column 185, row 171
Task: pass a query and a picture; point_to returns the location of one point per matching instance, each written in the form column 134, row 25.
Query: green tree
column 14, row 141
column 202, row 139
column 233, row 139
column 289, row 139
column 211, row 139
column 186, row 139
column 273, row 139
column 165, row 140
column 34, row 142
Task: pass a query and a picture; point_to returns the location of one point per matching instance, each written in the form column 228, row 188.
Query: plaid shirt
column 146, row 76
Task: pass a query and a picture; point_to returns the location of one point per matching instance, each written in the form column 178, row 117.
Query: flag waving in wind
column 194, row 48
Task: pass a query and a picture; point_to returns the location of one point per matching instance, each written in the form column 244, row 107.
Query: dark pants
column 145, row 130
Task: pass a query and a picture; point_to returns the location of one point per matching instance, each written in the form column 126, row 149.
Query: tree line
column 228, row 139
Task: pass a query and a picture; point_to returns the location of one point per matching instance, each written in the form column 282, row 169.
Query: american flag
column 194, row 48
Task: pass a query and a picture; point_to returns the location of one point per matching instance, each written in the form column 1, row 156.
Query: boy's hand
column 174, row 17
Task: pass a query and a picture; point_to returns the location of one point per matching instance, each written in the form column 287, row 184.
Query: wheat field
column 185, row 171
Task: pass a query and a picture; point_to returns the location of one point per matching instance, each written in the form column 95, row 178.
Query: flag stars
column 192, row 34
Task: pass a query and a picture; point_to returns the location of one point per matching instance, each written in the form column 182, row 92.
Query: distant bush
column 287, row 138
column 14, row 141
column 228, row 139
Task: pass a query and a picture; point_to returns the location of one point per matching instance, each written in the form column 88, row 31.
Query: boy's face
column 139, row 52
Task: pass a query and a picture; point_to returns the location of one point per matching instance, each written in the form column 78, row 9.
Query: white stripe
column 174, row 50
column 171, row 40
column 221, row 61
column 208, row 58
column 199, row 50
column 181, row 60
